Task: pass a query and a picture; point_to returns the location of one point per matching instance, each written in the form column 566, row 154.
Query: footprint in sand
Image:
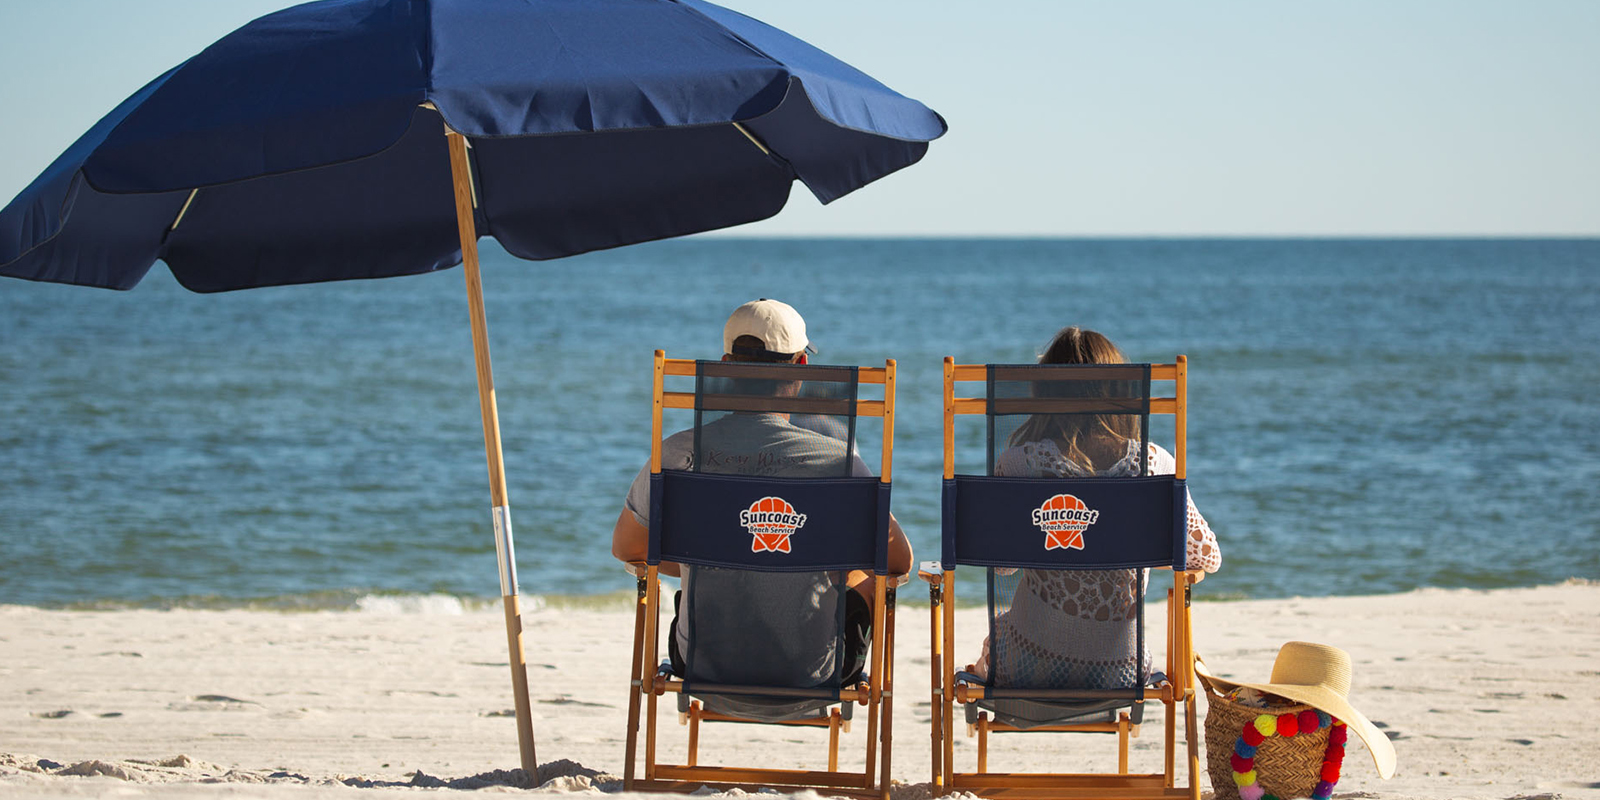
column 298, row 713
column 567, row 700
column 214, row 702
column 58, row 714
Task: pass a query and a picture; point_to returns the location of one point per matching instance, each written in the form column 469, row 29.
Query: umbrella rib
column 184, row 210
column 753, row 139
column 472, row 180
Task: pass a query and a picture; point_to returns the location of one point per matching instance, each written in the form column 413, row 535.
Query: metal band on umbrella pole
column 461, row 174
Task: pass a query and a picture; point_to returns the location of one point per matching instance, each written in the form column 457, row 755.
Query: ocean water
column 1366, row 416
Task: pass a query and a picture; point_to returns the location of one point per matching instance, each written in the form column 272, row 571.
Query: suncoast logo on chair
column 1063, row 519
column 771, row 520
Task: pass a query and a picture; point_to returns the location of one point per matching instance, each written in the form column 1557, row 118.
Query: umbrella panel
column 546, row 199
column 541, row 197
column 385, row 215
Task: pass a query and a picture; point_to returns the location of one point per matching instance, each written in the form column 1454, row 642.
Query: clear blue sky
column 1381, row 117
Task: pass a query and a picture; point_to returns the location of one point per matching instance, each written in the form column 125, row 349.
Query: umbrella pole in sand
column 461, row 174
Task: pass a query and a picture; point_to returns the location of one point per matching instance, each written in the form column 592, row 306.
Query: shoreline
column 359, row 601
column 1485, row 693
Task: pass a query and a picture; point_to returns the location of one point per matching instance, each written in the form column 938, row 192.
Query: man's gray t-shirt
column 733, row 607
column 749, row 444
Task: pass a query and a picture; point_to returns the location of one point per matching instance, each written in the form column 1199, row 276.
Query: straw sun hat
column 1317, row 675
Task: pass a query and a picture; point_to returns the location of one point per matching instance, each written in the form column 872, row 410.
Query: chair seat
column 1025, row 714
column 757, row 707
column 763, row 709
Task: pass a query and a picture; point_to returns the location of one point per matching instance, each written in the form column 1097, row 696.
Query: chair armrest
column 931, row 571
column 1192, row 575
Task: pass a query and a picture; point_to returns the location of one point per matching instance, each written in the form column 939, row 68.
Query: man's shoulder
column 797, row 437
column 764, row 426
column 683, row 436
column 677, row 450
column 770, row 445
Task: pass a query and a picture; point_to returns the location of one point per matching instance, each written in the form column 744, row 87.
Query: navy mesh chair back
column 767, row 509
column 1061, row 527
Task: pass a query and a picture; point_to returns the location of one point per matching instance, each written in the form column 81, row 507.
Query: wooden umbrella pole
column 461, row 174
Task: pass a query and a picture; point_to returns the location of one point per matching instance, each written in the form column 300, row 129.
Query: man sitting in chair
column 735, row 608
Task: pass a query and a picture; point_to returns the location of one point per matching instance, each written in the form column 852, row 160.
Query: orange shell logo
column 1063, row 519
column 770, row 521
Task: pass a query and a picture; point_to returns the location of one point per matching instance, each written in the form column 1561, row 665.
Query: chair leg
column 983, row 741
column 647, row 673
column 948, row 679
column 887, row 710
column 875, row 697
column 1189, row 698
column 833, row 740
column 1194, row 748
column 694, row 733
column 635, row 689
column 1169, row 771
column 1122, row 742
column 935, row 704
column 650, row 730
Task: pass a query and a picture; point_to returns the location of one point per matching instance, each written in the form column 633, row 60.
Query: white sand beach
column 1486, row 694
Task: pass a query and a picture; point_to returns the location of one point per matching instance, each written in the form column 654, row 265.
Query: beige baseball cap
column 779, row 327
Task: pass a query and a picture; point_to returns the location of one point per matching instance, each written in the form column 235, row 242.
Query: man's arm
column 900, row 561
column 630, row 542
column 900, row 557
column 630, row 538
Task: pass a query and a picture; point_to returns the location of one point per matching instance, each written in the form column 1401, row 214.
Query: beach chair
column 766, row 561
column 1025, row 535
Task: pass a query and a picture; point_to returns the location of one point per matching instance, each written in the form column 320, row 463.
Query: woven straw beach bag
column 1284, row 767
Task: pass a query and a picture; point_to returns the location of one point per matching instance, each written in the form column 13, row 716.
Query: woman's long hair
column 1094, row 442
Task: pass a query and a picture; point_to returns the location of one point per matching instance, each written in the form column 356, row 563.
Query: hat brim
column 1324, row 699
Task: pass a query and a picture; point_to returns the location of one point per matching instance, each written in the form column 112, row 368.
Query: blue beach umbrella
column 370, row 138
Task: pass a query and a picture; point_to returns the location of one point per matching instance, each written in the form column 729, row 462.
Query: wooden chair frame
column 1178, row 690
column 646, row 685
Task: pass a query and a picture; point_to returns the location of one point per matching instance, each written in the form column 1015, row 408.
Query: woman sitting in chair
column 1075, row 629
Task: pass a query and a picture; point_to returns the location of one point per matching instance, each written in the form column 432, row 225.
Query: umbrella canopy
column 307, row 146
column 330, row 141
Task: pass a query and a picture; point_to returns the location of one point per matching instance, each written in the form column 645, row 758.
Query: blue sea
column 1366, row 416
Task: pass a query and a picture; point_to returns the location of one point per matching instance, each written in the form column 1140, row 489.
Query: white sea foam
column 434, row 604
